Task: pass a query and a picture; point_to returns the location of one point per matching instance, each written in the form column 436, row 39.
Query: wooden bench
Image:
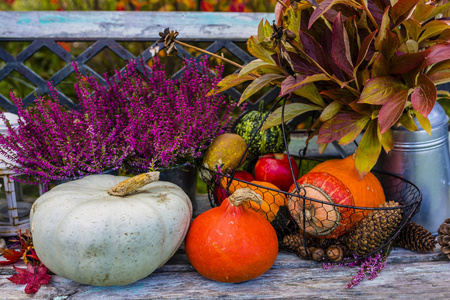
column 408, row 275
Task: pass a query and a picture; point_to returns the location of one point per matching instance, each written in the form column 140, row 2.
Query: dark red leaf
column 365, row 47
column 407, row 62
column 312, row 48
column 323, row 7
column 424, row 96
column 11, row 256
column 392, row 110
column 340, row 50
column 287, row 86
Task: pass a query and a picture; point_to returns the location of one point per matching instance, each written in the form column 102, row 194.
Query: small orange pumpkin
column 272, row 199
column 231, row 243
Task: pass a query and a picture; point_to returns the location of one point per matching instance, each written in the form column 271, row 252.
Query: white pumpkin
column 83, row 233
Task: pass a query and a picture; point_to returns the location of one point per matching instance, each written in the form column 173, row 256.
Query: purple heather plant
column 370, row 266
column 141, row 120
column 174, row 120
column 54, row 143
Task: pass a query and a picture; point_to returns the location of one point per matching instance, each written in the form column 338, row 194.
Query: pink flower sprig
column 370, row 266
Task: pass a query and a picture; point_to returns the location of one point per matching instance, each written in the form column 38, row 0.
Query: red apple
column 220, row 193
column 274, row 168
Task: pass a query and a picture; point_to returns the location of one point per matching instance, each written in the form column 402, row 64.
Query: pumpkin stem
column 129, row 185
column 244, row 194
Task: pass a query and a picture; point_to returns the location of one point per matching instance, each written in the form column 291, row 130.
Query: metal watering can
column 425, row 161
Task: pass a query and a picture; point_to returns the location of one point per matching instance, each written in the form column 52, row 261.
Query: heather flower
column 370, row 266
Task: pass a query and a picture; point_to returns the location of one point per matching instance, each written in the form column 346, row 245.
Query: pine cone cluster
column 444, row 237
column 416, row 238
column 372, row 231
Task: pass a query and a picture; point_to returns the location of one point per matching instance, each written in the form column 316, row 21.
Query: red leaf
column 424, row 97
column 437, row 53
column 401, row 10
column 392, row 110
column 312, row 48
column 407, row 62
column 344, row 126
column 11, row 256
column 206, row 6
column 365, row 47
column 340, row 50
column 32, row 277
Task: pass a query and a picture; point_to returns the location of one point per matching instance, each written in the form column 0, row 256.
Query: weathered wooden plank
column 400, row 281
column 129, row 25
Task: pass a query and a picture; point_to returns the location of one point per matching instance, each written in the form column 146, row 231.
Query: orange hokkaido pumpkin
column 334, row 179
column 231, row 243
column 272, row 199
column 366, row 192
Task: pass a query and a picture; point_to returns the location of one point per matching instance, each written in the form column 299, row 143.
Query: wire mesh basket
column 345, row 231
column 324, row 229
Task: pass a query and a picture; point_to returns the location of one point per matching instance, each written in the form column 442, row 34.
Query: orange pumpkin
column 333, row 178
column 367, row 192
column 272, row 199
column 231, row 243
column 321, row 219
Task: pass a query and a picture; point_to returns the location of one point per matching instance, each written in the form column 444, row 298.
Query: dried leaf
column 11, row 256
column 291, row 111
column 379, row 90
column 33, row 277
column 424, row 96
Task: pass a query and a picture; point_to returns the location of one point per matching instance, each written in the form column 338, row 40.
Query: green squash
column 268, row 141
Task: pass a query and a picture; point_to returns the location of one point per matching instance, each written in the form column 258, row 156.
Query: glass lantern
column 16, row 198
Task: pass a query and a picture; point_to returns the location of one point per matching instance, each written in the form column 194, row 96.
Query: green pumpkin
column 267, row 141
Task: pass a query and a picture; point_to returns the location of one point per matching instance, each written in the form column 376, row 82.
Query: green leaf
column 291, row 111
column 378, row 90
column 290, row 84
column 368, row 150
column 423, row 122
column 344, row 127
column 264, row 30
column 407, row 121
column 380, row 66
column 229, row 82
column 433, row 28
column 439, row 9
column 387, row 141
column 440, row 72
column 424, row 96
column 292, row 21
column 258, row 84
column 310, row 92
column 409, row 46
column 259, row 51
column 412, row 28
column 422, row 12
column 254, row 65
column 330, row 111
column 392, row 110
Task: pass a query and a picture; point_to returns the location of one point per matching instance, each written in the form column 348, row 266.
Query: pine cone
column 292, row 241
column 416, row 238
column 373, row 230
column 444, row 237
